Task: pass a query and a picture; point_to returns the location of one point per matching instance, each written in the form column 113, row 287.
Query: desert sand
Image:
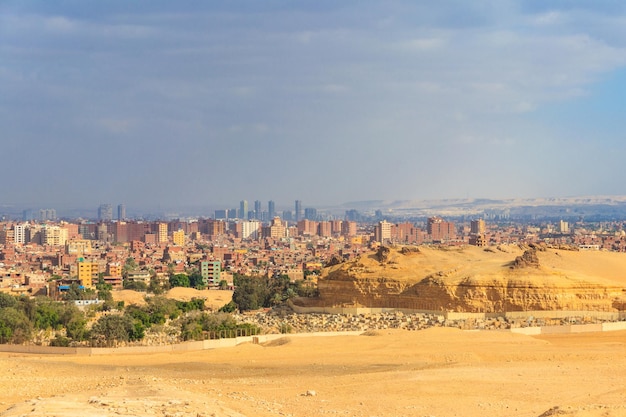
column 434, row 372
column 214, row 299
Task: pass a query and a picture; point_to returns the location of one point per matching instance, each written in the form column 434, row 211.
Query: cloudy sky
column 166, row 103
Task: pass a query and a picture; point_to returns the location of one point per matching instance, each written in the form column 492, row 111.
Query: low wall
column 178, row 347
column 575, row 328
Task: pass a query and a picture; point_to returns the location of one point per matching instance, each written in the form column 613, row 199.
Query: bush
column 15, row 327
column 112, row 329
column 60, row 341
column 179, row 280
column 231, row 307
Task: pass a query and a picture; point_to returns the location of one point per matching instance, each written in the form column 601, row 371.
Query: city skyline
column 157, row 104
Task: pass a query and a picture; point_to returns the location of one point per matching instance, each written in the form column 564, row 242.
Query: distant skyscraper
column 271, row 209
column 298, row 213
column 310, row 213
column 243, row 209
column 257, row 209
column 47, row 214
column 121, row 212
column 27, row 215
column 105, row 212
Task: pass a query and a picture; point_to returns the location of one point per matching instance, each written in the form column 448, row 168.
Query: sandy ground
column 214, row 299
column 435, row 372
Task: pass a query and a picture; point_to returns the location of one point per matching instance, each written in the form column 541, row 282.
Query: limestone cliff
column 470, row 279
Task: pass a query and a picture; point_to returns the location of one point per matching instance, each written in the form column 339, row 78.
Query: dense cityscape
column 42, row 255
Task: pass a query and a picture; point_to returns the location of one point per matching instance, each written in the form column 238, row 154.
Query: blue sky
column 207, row 103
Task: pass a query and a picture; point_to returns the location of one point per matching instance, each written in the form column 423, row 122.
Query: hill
column 472, row 279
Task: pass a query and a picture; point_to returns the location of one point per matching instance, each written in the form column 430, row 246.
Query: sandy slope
column 557, row 267
column 435, row 372
column 214, row 298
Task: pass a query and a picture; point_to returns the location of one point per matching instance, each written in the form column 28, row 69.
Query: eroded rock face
column 453, row 280
column 528, row 260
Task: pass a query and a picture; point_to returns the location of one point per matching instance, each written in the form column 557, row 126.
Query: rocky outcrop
column 462, row 280
column 528, row 260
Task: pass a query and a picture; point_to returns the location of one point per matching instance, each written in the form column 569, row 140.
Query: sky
column 183, row 103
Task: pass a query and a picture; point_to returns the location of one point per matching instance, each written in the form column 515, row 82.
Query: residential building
column 88, row 272
column 211, row 272
column 178, row 237
column 382, row 232
column 440, row 230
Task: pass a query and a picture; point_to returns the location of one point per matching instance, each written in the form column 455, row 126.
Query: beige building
column 88, row 272
column 178, row 237
column 382, row 233
column 78, row 247
column 54, row 235
column 162, row 233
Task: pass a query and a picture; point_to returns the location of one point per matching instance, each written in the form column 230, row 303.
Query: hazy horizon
column 154, row 103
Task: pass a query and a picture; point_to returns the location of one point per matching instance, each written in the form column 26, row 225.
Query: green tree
column 231, row 307
column 179, row 280
column 129, row 265
column 251, row 293
column 161, row 308
column 7, row 300
column 48, row 315
column 112, row 329
column 15, row 326
column 196, row 280
column 135, row 285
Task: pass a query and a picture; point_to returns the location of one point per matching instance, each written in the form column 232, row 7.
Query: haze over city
column 155, row 103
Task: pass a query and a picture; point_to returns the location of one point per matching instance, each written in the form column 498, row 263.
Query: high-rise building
column 250, row 229
column 276, row 229
column 271, row 209
column 178, row 237
column 54, row 235
column 298, row 213
column 477, row 227
column 121, row 212
column 440, row 230
column 105, row 213
column 310, row 213
column 324, row 229
column 243, row 209
column 20, row 233
column 161, row 232
column 28, row 215
column 88, row 272
column 382, row 232
column 257, row 210
column 47, row 214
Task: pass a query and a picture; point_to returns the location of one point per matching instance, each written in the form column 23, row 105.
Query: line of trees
column 23, row 318
column 254, row 292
